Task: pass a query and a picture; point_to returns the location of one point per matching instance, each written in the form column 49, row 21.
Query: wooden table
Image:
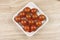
column 10, row 31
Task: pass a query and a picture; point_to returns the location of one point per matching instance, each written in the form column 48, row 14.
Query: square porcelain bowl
column 31, row 5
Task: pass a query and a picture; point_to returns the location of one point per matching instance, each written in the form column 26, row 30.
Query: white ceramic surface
column 31, row 5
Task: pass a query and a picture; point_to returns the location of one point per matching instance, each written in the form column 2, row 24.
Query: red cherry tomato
column 33, row 28
column 33, row 10
column 17, row 19
column 38, row 23
column 34, row 17
column 23, row 22
column 28, row 16
column 41, row 17
column 27, row 10
column 22, row 14
column 31, row 22
column 26, row 28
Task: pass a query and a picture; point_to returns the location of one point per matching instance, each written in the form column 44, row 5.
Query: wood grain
column 10, row 31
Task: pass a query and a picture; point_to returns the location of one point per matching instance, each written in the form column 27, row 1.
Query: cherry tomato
column 23, row 22
column 28, row 16
column 33, row 28
column 35, row 16
column 31, row 22
column 27, row 10
column 38, row 23
column 41, row 17
column 17, row 19
column 22, row 14
column 26, row 28
column 33, row 10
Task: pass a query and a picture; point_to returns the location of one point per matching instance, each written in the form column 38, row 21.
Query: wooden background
column 10, row 31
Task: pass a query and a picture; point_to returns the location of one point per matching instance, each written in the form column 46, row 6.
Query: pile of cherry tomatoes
column 29, row 19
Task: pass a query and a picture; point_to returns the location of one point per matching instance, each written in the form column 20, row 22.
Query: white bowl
column 31, row 5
